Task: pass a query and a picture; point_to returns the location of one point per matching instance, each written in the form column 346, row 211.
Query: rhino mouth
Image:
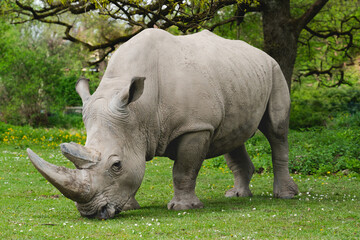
column 104, row 212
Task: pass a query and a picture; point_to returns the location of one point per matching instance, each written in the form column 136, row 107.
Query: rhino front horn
column 73, row 183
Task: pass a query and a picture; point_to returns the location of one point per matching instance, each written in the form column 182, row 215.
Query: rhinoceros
column 188, row 98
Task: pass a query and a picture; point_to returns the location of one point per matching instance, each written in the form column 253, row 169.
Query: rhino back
column 199, row 82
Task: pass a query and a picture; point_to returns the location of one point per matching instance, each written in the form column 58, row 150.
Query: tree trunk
column 280, row 37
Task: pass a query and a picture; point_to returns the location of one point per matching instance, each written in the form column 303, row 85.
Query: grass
column 31, row 208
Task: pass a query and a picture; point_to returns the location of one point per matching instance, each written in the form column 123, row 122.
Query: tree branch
column 312, row 11
column 329, row 72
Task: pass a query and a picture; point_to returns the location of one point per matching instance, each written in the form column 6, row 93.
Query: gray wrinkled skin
column 185, row 97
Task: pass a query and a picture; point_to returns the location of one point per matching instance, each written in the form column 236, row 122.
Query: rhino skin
column 203, row 96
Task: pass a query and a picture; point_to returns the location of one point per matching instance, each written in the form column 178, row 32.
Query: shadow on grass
column 211, row 206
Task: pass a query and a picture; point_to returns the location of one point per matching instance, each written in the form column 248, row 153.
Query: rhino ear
column 82, row 88
column 134, row 91
column 81, row 156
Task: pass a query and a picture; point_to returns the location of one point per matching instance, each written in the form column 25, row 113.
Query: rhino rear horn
column 81, row 156
column 73, row 183
column 82, row 88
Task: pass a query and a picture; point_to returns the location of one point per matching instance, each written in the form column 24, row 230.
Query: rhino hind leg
column 241, row 166
column 274, row 125
column 190, row 153
column 284, row 186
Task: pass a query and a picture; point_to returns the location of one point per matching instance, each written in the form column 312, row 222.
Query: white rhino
column 203, row 96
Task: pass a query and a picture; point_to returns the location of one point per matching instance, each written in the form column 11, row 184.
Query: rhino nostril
column 103, row 213
column 117, row 211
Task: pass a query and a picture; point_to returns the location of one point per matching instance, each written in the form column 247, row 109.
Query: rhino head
column 111, row 165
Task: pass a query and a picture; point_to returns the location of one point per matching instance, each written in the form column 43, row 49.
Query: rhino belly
column 231, row 139
column 239, row 123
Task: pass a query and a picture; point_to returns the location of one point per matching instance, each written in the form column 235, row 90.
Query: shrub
column 321, row 150
column 66, row 121
column 34, row 75
column 317, row 107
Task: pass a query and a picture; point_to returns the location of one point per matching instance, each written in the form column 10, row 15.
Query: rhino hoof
column 287, row 191
column 237, row 192
column 184, row 205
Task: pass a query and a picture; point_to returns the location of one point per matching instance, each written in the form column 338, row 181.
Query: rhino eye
column 116, row 166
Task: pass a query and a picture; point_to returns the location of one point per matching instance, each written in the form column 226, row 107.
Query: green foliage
column 324, row 151
column 64, row 92
column 318, row 107
column 35, row 78
column 346, row 120
column 66, row 121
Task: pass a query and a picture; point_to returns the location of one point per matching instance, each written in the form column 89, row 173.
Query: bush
column 318, row 107
column 35, row 78
column 345, row 120
column 66, row 121
column 322, row 150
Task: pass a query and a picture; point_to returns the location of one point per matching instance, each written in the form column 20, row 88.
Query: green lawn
column 31, row 208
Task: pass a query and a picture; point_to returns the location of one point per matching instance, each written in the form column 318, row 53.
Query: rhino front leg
column 241, row 166
column 191, row 151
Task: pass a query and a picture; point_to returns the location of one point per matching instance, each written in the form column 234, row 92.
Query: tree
column 330, row 44
column 282, row 21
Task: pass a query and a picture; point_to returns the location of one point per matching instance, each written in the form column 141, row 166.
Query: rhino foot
column 132, row 204
column 238, row 192
column 286, row 191
column 185, row 204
